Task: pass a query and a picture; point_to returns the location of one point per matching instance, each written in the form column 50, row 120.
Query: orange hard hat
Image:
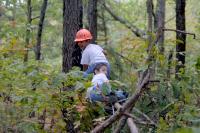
column 82, row 35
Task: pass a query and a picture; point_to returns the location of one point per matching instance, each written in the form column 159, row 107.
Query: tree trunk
column 150, row 42
column 104, row 27
column 92, row 18
column 160, row 23
column 28, row 30
column 76, row 57
column 180, row 37
column 149, row 4
column 72, row 22
column 40, row 28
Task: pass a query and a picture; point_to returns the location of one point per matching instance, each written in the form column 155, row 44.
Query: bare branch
column 35, row 18
column 132, row 126
column 144, row 115
column 170, row 19
column 120, row 124
column 180, row 31
column 134, row 29
column 138, row 121
column 130, row 122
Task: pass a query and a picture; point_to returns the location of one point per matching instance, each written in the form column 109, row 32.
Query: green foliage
column 37, row 97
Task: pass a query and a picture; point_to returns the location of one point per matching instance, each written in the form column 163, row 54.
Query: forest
column 150, row 54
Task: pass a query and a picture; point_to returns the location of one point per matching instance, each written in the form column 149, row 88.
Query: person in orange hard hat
column 92, row 54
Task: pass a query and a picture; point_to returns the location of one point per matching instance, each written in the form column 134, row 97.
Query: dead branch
column 128, row 104
column 170, row 19
column 120, row 55
column 120, row 124
column 145, row 116
column 139, row 121
column 133, row 128
column 180, row 31
column 133, row 28
column 35, row 18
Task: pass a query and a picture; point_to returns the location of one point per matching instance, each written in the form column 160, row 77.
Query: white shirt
column 93, row 54
column 99, row 79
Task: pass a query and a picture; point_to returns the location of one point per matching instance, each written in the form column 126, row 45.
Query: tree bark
column 92, row 18
column 149, row 4
column 180, row 37
column 160, row 23
column 40, row 28
column 28, row 30
column 132, row 126
column 72, row 22
column 150, row 42
column 104, row 27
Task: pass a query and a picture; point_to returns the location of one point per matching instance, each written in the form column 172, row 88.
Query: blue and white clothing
column 92, row 55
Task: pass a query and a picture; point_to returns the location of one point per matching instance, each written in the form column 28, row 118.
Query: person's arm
column 85, row 67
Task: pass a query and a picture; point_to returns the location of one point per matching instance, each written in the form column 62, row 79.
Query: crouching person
column 101, row 89
column 92, row 54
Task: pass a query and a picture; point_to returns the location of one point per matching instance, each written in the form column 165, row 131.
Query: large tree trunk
column 180, row 37
column 28, row 30
column 72, row 22
column 40, row 28
column 160, row 23
column 92, row 18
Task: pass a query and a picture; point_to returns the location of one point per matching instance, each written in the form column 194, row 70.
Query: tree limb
column 180, row 31
column 133, row 128
column 138, row 121
column 133, row 28
column 120, row 124
column 144, row 115
column 35, row 17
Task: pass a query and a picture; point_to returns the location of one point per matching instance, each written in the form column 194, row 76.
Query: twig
column 144, row 115
column 180, row 31
column 126, row 59
column 139, row 121
column 170, row 19
column 35, row 18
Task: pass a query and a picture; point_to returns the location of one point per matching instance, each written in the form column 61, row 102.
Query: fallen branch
column 128, row 104
column 180, row 31
column 139, row 121
column 145, row 116
column 133, row 128
column 120, row 124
